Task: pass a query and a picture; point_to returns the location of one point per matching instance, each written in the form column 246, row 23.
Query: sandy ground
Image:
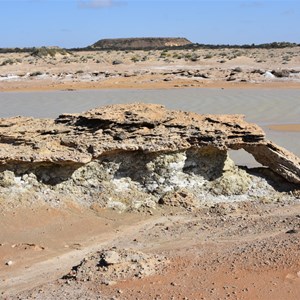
column 285, row 127
column 227, row 251
column 222, row 68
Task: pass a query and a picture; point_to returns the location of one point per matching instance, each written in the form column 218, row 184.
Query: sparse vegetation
column 11, row 61
column 135, row 59
column 208, row 56
column 52, row 52
column 181, row 63
column 194, row 57
column 164, row 53
column 286, row 58
column 37, row 73
column 192, row 46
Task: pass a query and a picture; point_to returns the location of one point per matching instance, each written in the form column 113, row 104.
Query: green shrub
column 208, row 56
column 286, row 58
column 37, row 73
column 194, row 57
column 135, row 59
column 44, row 51
column 8, row 61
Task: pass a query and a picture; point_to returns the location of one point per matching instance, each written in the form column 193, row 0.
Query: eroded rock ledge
column 137, row 153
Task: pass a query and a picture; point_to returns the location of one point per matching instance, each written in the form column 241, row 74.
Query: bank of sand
column 141, row 82
column 228, row 251
column 285, row 127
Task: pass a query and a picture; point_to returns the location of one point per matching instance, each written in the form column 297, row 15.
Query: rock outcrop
column 141, row 43
column 107, row 267
column 137, row 155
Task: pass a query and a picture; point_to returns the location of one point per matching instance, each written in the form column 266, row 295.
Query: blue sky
column 78, row 23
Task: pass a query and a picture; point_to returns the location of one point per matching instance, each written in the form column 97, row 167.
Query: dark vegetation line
column 274, row 45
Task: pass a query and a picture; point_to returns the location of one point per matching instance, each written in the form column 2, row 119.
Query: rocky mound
column 109, row 266
column 139, row 155
column 140, row 43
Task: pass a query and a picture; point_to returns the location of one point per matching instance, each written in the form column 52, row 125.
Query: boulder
column 281, row 73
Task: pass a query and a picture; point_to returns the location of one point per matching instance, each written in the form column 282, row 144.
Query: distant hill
column 141, row 43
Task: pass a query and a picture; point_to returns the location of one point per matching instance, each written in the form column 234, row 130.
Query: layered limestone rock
column 137, row 155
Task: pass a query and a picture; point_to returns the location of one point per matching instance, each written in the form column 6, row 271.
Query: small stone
column 292, row 231
column 111, row 257
column 9, row 263
column 7, row 179
column 117, row 62
column 237, row 69
column 109, row 282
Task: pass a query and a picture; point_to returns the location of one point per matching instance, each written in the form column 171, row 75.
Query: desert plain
column 150, row 69
column 63, row 249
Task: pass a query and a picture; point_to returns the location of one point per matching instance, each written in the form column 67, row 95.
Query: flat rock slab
column 149, row 128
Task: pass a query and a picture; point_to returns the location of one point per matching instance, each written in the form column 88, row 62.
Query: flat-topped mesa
column 141, row 43
column 145, row 128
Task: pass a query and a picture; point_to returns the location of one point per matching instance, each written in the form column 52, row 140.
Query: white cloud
column 94, row 4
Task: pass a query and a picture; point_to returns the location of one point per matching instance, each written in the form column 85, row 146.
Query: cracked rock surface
column 137, row 155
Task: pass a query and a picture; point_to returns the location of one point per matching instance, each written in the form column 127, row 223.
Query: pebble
column 291, row 231
column 9, row 263
column 111, row 257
